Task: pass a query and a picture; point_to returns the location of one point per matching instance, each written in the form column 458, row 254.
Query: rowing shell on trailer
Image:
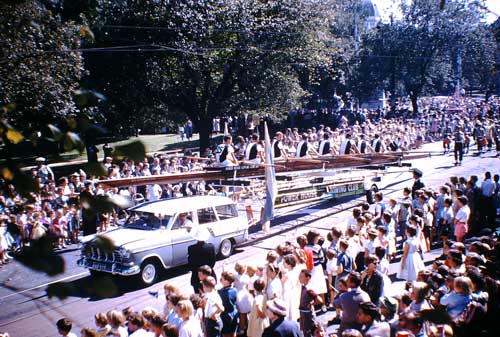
column 247, row 170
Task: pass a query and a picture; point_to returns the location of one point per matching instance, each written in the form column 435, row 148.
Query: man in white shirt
column 213, row 307
column 224, row 153
column 153, row 192
column 254, row 151
column 377, row 144
column 304, row 148
column 183, row 222
column 278, row 148
column 347, row 146
column 487, row 209
column 325, row 147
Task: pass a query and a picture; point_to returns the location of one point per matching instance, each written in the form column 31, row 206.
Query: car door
column 228, row 221
column 164, row 242
column 181, row 239
column 208, row 219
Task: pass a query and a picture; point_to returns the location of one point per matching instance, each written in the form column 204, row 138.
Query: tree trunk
column 204, row 129
column 414, row 103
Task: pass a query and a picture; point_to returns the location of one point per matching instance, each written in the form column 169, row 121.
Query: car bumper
column 109, row 267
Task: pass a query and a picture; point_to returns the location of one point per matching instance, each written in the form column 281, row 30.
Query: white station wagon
column 152, row 238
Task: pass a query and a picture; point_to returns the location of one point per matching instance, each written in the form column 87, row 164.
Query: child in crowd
column 308, row 298
column 116, row 321
column 212, row 309
column 331, row 271
column 404, row 217
column 101, row 322
column 258, row 320
column 244, row 298
column 383, row 265
column 64, row 326
column 229, row 296
column 252, row 276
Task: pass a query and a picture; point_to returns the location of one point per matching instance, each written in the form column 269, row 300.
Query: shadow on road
column 100, row 287
column 445, row 167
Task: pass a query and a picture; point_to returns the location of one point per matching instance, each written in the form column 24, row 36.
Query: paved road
column 28, row 311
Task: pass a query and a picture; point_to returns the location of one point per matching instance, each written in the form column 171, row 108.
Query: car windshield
column 146, row 221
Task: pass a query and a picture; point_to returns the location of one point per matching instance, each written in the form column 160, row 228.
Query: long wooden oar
column 307, row 160
column 261, row 164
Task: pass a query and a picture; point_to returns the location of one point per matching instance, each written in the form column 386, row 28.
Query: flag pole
column 271, row 186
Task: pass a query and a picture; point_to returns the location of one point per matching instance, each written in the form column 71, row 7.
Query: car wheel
column 149, row 272
column 226, row 248
column 370, row 194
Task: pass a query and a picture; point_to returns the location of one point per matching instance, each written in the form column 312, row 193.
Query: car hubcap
column 149, row 273
column 226, row 247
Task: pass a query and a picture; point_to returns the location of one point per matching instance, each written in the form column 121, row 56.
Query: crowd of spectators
column 56, row 209
column 349, row 271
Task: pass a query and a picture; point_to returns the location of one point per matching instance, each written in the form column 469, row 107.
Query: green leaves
column 87, row 33
column 96, row 169
column 86, row 98
column 72, row 141
column 102, row 243
column 56, row 133
column 100, row 287
column 40, row 256
column 24, row 184
column 419, row 53
column 99, row 204
column 9, row 133
column 134, row 150
column 39, row 70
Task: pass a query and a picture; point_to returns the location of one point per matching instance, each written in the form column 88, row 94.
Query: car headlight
column 124, row 252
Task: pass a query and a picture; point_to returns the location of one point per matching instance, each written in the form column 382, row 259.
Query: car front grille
column 99, row 254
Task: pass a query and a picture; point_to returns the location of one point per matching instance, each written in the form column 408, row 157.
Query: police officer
column 200, row 254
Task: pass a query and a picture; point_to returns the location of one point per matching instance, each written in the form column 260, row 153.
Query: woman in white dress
column 258, row 320
column 318, row 280
column 274, row 288
column 411, row 262
column 291, row 287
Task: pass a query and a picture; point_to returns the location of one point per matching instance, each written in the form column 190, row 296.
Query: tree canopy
column 212, row 58
column 426, row 52
column 40, row 64
column 158, row 63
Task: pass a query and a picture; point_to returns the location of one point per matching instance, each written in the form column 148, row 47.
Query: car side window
column 226, row 212
column 183, row 220
column 206, row 215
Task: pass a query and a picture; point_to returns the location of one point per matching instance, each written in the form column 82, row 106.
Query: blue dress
column 230, row 315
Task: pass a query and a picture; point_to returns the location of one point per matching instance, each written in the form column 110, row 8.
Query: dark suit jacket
column 373, row 286
column 200, row 254
column 281, row 328
column 417, row 185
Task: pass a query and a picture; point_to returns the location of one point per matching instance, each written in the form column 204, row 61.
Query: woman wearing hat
column 276, row 311
column 369, row 317
column 44, row 172
column 417, row 184
column 389, row 312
